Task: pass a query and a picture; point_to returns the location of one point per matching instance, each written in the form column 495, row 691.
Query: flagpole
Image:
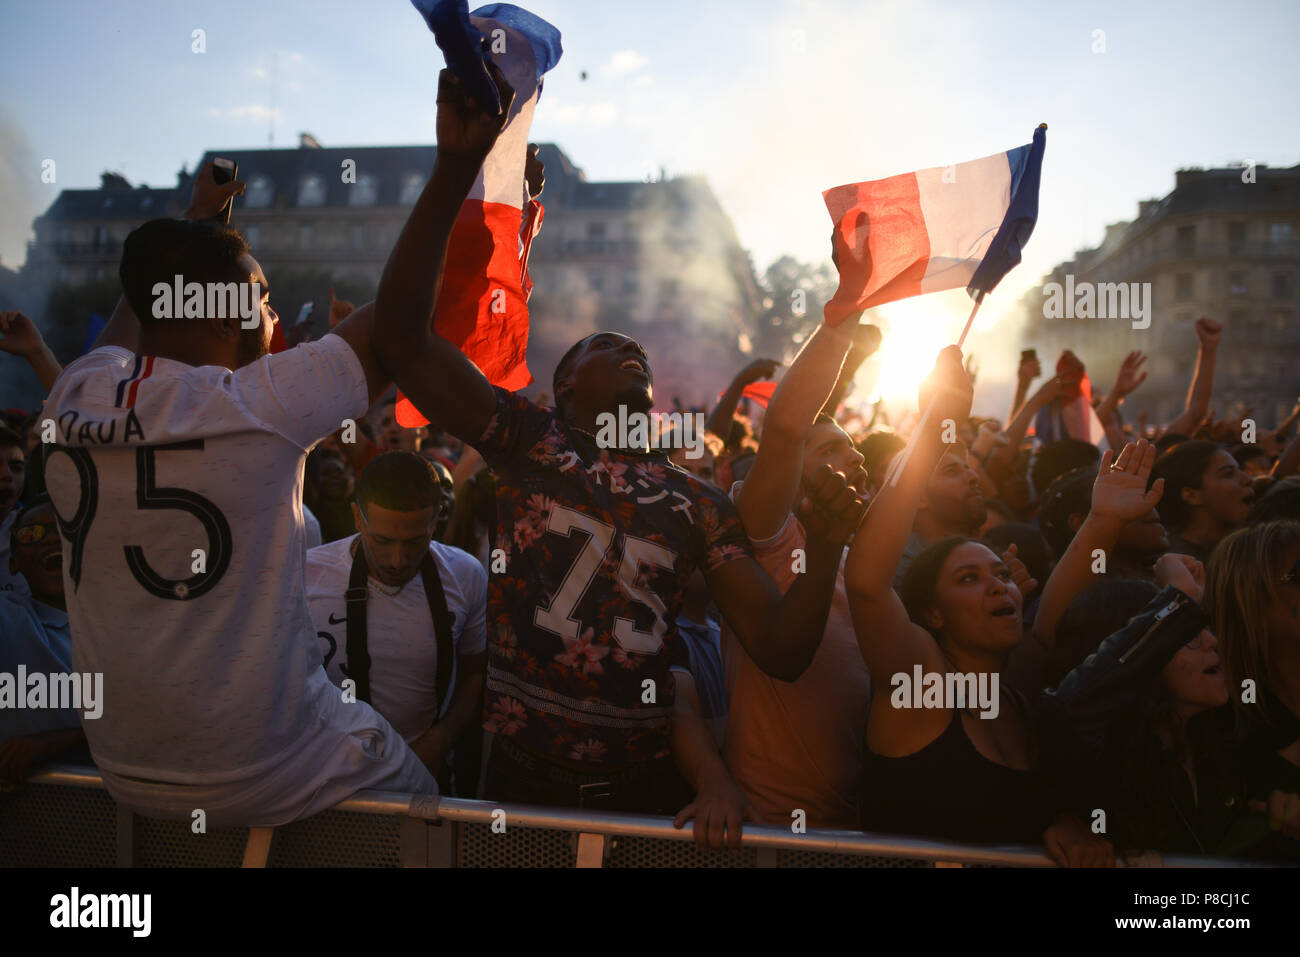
column 900, row 461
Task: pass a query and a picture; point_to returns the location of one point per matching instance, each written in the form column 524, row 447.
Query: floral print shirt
column 598, row 546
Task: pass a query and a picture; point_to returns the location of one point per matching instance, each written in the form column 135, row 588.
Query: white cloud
column 603, row 113
column 624, row 62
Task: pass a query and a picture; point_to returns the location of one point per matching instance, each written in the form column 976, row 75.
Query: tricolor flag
column 940, row 228
column 483, row 305
column 1071, row 416
column 757, row 392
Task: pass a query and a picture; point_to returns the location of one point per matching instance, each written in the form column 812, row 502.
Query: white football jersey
column 399, row 629
column 179, row 493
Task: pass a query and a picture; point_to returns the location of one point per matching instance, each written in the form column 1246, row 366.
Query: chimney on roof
column 111, row 180
column 308, row 142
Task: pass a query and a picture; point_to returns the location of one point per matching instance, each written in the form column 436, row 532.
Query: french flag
column 940, row 228
column 483, row 302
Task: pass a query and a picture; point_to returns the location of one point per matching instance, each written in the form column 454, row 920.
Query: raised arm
column 1119, row 496
column 1208, row 334
column 720, row 419
column 866, row 340
column 1004, row 453
column 767, row 497
column 889, row 640
column 437, row 377
column 20, row 337
column 781, row 634
column 1029, row 370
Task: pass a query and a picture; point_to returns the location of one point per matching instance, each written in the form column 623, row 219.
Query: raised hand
column 1183, row 572
column 1128, row 379
column 340, row 309
column 19, row 335
column 949, row 387
column 1120, row 492
column 758, row 369
column 1030, row 369
column 1208, row 333
column 1020, row 576
column 866, row 340
column 832, row 510
column 466, row 129
column 208, row 197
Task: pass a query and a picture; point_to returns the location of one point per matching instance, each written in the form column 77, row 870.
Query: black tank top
column 949, row 790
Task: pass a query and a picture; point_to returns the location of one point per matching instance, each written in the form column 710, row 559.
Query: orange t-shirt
column 799, row 745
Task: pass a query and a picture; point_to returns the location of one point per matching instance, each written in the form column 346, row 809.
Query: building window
column 630, row 284
column 356, row 237
column 260, row 192
column 254, row 235
column 311, row 190
column 1282, row 285
column 305, row 236
column 65, row 234
column 1281, row 322
column 1236, row 283
column 1236, row 232
column 364, row 192
column 1183, row 286
column 595, row 280
column 595, row 230
column 1186, row 236
column 412, row 186
column 99, row 236
column 1279, row 232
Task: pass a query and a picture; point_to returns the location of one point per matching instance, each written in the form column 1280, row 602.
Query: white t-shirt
column 183, row 571
column 399, row 629
column 311, row 536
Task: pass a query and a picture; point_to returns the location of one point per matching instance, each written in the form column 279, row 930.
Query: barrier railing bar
column 761, row 837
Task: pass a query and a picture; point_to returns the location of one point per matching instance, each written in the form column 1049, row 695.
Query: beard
column 252, row 346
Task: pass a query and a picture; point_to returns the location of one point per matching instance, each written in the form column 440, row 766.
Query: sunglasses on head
column 31, row 534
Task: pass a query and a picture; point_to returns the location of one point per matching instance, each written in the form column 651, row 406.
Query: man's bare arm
column 438, row 378
column 766, row 498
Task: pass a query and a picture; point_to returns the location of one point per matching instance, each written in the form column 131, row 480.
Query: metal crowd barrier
column 63, row 817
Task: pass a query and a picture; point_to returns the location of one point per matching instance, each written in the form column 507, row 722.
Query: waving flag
column 940, row 228
column 483, row 304
column 1071, row 416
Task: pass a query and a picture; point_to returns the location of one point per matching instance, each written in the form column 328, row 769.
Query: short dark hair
column 1282, row 501
column 876, row 448
column 162, row 249
column 565, row 361
column 401, row 481
column 1244, row 453
column 825, row 419
column 1181, row 467
column 9, row 438
column 1071, row 494
column 1056, row 458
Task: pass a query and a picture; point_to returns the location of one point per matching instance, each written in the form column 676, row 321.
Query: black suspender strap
column 355, row 596
column 358, row 651
column 437, row 600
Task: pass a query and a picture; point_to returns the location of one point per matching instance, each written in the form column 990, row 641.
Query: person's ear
column 227, row 329
column 1191, row 496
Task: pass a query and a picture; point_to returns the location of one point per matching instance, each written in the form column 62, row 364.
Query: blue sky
column 773, row 100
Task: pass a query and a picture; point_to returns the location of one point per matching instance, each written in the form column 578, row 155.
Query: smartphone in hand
column 224, row 171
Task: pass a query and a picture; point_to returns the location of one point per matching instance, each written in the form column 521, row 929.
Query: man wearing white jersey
column 416, row 649
column 177, row 482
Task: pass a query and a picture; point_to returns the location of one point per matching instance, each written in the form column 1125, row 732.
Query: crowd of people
column 965, row 631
